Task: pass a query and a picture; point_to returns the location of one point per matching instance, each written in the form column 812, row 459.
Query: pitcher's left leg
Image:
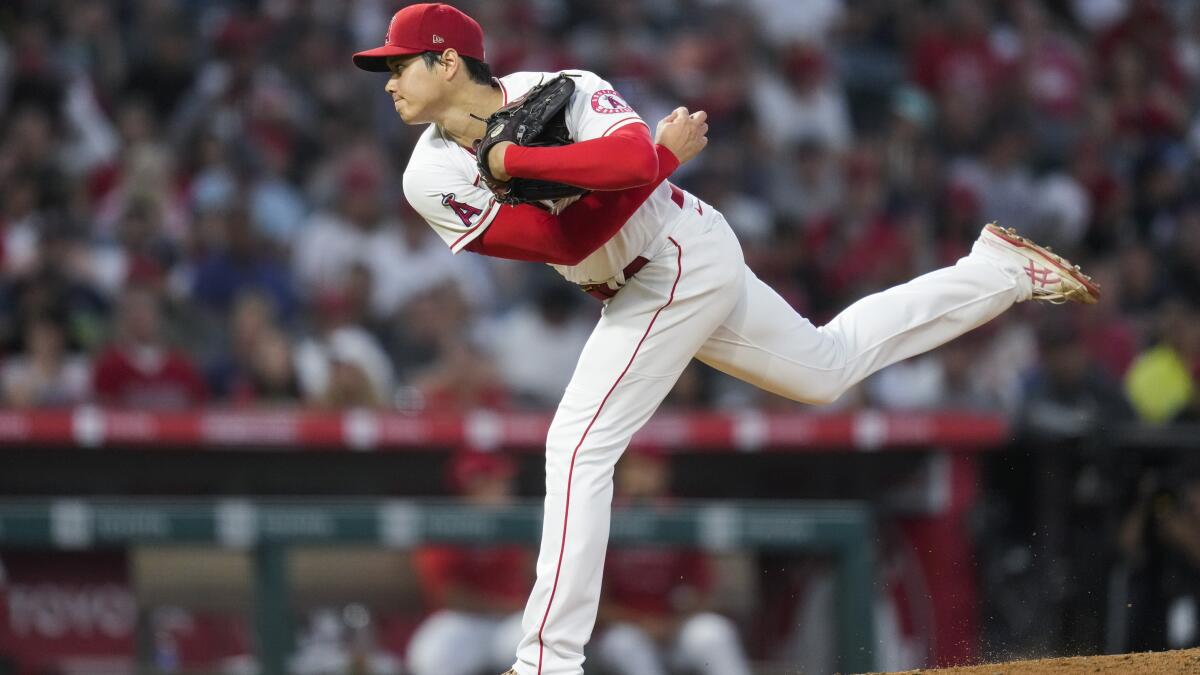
column 645, row 338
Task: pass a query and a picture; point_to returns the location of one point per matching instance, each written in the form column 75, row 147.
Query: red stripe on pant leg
column 571, row 471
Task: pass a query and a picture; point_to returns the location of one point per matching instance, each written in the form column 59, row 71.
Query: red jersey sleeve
column 590, row 164
column 527, row 232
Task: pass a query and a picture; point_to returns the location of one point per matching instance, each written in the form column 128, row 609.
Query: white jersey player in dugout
column 675, row 288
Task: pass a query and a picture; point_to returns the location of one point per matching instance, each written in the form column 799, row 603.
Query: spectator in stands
column 142, row 178
column 861, row 246
column 1054, row 77
column 277, row 206
column 240, row 262
column 803, row 102
column 808, row 181
column 140, row 252
column 908, row 160
column 1061, row 213
column 45, row 374
column 1001, row 177
column 945, row 379
column 1185, row 254
column 1110, row 337
column 342, row 361
column 1138, row 59
column 958, row 210
column 272, row 378
column 1143, row 286
column 212, row 185
column 1162, row 380
column 475, row 594
column 462, row 379
column 253, row 315
column 61, row 283
column 655, row 611
column 255, row 365
column 1160, row 175
column 1069, row 396
column 356, row 368
column 782, row 22
column 407, row 259
column 19, row 226
column 555, row 330
column 29, row 151
column 448, row 368
column 953, row 53
column 163, row 70
column 1109, row 196
column 140, row 369
column 332, row 242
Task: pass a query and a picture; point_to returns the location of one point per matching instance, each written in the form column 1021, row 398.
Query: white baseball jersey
column 442, row 180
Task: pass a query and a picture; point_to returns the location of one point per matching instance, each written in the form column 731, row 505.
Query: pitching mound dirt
column 1151, row 663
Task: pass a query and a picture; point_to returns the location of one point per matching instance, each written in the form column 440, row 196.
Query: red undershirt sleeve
column 527, row 232
column 589, row 164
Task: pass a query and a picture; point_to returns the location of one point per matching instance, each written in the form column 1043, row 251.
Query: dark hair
column 480, row 72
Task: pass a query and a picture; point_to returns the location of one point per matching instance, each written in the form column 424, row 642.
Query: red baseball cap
column 427, row 27
column 468, row 465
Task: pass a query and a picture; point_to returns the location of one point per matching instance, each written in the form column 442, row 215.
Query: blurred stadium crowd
column 201, row 202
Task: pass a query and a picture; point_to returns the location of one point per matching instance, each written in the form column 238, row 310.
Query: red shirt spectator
column 140, row 370
column 1149, row 32
column 148, row 377
column 958, row 56
column 859, row 248
column 1056, row 79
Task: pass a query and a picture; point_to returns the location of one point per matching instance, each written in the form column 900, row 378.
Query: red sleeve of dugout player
column 494, row 572
column 529, row 233
column 652, row 580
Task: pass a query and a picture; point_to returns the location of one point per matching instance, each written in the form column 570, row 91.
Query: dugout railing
column 268, row 529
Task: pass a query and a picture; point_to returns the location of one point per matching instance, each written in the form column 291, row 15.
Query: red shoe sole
column 1050, row 257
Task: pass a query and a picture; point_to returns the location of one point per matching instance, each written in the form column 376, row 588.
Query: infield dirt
column 1149, row 663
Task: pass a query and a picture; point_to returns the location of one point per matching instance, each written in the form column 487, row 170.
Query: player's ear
column 450, row 62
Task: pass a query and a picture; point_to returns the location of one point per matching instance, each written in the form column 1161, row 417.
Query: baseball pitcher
column 557, row 168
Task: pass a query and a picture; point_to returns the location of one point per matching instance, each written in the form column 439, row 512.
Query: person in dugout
column 655, row 614
column 475, row 593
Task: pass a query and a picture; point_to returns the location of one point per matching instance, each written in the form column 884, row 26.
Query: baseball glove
column 536, row 119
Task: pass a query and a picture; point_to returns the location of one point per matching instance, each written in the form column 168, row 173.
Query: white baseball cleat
column 1055, row 279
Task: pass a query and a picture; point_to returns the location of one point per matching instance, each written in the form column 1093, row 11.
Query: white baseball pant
column 696, row 298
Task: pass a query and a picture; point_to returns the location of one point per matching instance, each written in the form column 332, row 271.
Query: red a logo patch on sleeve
column 465, row 212
column 608, row 101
